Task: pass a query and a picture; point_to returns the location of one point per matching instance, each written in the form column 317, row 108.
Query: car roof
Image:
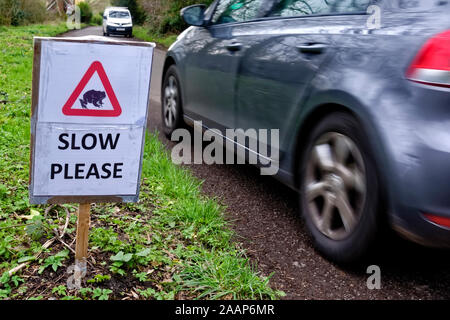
column 117, row 9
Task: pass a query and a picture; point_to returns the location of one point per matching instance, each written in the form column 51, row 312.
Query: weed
column 60, row 290
column 54, row 261
column 101, row 294
column 99, row 278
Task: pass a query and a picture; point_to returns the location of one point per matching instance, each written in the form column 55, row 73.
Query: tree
column 136, row 10
column 20, row 12
column 85, row 12
column 173, row 22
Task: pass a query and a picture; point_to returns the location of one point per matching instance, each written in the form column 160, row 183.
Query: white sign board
column 89, row 114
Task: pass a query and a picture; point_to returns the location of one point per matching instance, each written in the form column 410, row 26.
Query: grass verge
column 143, row 33
column 173, row 244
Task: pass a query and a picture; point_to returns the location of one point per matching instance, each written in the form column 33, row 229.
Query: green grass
column 143, row 33
column 174, row 243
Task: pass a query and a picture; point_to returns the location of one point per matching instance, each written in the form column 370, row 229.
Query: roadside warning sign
column 93, row 97
column 89, row 114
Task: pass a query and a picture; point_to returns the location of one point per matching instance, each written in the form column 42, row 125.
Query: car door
column 212, row 64
column 285, row 55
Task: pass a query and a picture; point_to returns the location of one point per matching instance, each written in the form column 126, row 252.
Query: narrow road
column 265, row 217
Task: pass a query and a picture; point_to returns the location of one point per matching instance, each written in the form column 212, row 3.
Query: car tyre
column 171, row 102
column 339, row 193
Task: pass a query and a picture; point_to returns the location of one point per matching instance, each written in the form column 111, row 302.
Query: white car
column 117, row 20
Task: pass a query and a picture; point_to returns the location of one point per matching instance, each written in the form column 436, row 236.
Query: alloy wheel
column 335, row 185
column 170, row 102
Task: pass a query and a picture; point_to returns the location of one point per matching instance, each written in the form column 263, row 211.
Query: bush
column 20, row 12
column 135, row 8
column 97, row 19
column 173, row 23
column 165, row 14
column 85, row 12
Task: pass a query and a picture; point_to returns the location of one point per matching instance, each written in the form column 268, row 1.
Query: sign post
column 83, row 224
column 88, row 120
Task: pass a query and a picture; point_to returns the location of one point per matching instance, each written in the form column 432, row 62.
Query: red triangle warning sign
column 82, row 106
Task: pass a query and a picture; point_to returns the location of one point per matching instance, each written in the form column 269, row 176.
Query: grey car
column 360, row 91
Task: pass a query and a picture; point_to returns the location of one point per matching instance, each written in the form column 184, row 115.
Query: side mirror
column 194, row 15
column 104, row 17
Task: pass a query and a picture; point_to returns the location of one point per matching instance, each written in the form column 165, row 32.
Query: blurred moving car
column 363, row 109
column 117, row 20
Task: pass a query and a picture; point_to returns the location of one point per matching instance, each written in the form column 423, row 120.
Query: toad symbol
column 94, row 97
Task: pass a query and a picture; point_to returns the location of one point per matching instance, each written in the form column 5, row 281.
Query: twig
column 49, row 242
column 48, row 287
column 63, row 231
column 70, row 248
column 14, row 226
column 23, row 265
column 65, row 244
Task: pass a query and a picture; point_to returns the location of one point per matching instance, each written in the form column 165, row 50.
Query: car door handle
column 315, row 48
column 235, row 46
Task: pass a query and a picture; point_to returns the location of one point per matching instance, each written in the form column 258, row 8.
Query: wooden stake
column 84, row 220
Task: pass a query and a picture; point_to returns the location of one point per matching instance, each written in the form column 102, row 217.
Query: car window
column 292, row 8
column 238, row 10
column 119, row 14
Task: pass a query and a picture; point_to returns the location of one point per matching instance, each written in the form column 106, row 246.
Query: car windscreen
column 424, row 5
column 119, row 14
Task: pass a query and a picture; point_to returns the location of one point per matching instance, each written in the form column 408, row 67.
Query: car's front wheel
column 339, row 190
column 171, row 102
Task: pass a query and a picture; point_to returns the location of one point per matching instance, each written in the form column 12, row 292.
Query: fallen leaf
column 33, row 213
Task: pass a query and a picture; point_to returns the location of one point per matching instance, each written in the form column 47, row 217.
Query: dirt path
column 265, row 216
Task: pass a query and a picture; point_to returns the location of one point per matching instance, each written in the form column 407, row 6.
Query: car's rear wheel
column 339, row 189
column 171, row 102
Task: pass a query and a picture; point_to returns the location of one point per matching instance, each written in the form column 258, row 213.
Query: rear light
column 441, row 221
column 431, row 66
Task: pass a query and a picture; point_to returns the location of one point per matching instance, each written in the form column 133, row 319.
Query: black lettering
column 66, row 143
column 74, row 146
column 109, row 140
column 94, row 141
column 93, row 171
column 66, row 172
column 55, row 169
column 79, row 171
column 106, row 169
column 117, row 170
